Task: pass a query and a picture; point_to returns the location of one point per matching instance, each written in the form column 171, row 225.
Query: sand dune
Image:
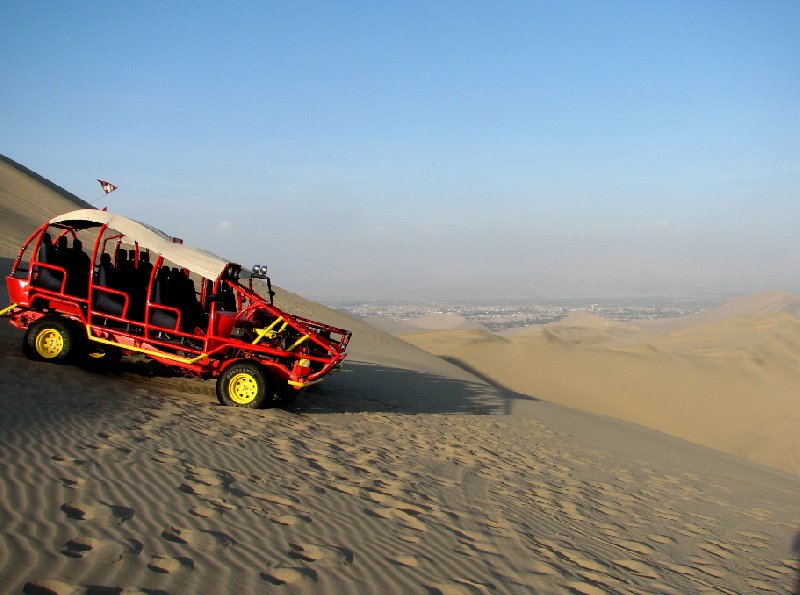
column 768, row 302
column 26, row 203
column 728, row 380
column 445, row 322
column 403, row 473
column 429, row 322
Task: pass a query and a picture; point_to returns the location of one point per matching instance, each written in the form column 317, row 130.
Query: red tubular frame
column 203, row 354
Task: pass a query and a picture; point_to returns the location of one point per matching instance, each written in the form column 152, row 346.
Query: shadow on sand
column 359, row 387
column 362, row 387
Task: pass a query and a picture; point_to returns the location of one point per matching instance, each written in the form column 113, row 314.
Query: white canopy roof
column 196, row 260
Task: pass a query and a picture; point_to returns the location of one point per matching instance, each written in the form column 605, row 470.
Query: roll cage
column 140, row 290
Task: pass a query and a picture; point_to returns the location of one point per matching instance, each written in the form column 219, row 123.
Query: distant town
column 507, row 315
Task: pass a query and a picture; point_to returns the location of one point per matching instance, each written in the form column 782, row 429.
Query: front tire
column 244, row 384
column 50, row 339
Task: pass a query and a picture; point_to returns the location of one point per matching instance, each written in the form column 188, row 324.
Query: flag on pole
column 107, row 187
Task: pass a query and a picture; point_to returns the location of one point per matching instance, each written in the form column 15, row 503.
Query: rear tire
column 244, row 384
column 51, row 339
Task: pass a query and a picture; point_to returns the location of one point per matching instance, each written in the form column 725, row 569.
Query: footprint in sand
column 406, row 561
column 289, row 576
column 203, row 490
column 113, row 436
column 325, row 555
column 68, row 462
column 406, row 516
column 51, row 587
column 205, row 511
column 165, row 564
column 210, row 541
column 111, row 514
column 206, row 476
column 92, row 446
column 289, row 519
column 106, row 551
column 71, row 482
column 165, row 460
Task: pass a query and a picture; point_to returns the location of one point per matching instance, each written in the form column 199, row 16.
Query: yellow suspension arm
column 150, row 352
column 268, row 332
column 5, row 311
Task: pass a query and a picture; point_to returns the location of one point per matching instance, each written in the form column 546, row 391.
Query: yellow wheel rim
column 49, row 343
column 242, row 388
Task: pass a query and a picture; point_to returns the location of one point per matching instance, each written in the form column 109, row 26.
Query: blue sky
column 430, row 149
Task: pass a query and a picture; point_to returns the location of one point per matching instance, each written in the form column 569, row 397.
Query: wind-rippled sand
column 402, row 474
column 111, row 482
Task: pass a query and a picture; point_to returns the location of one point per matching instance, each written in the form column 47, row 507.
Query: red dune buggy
column 138, row 290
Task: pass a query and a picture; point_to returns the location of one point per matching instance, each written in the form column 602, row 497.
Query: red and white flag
column 108, row 187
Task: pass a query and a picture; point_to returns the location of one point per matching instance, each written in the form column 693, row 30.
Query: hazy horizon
column 430, row 150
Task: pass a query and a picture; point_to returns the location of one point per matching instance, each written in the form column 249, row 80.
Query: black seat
column 186, row 301
column 104, row 301
column 48, row 278
column 159, row 317
column 226, row 299
column 139, row 286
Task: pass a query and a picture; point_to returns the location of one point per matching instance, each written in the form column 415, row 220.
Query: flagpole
column 104, row 195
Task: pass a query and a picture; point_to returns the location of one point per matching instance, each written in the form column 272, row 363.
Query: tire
column 244, row 384
column 51, row 339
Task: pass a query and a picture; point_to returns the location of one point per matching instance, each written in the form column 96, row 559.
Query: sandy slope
column 26, row 203
column 729, row 379
column 429, row 322
column 402, row 474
